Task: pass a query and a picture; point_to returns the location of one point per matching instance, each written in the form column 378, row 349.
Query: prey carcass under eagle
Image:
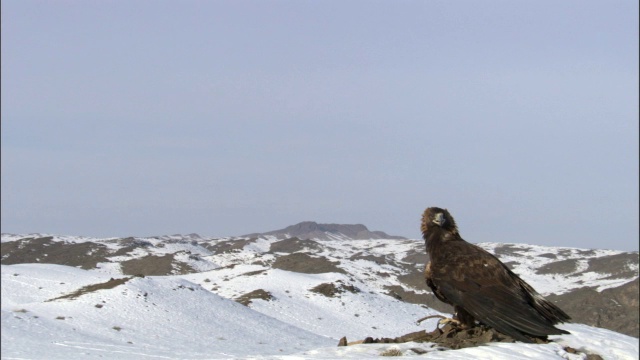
column 480, row 287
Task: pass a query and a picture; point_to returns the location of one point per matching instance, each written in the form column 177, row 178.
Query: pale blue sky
column 224, row 118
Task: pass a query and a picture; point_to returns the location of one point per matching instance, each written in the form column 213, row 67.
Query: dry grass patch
column 92, row 288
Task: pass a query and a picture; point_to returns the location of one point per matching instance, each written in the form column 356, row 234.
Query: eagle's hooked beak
column 439, row 219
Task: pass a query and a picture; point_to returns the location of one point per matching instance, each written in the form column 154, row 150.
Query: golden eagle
column 480, row 287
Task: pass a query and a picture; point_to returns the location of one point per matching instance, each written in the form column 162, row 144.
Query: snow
column 163, row 317
column 558, row 284
column 170, row 317
column 189, row 250
column 356, row 315
column 193, row 316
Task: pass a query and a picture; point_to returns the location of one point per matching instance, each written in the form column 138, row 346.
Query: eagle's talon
column 443, row 321
column 449, row 321
column 429, row 317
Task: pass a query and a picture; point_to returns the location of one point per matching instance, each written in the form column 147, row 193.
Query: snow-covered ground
column 162, row 317
column 169, row 317
column 526, row 258
column 192, row 316
column 558, row 283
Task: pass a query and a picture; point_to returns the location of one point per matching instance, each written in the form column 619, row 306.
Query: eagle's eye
column 439, row 219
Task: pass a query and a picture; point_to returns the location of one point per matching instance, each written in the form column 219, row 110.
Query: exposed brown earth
column 292, row 245
column 567, row 266
column 333, row 290
column 253, row 295
column 451, row 337
column 152, row 265
column 447, row 337
column 130, row 244
column 616, row 265
column 229, row 245
column 85, row 255
column 417, row 257
column 303, row 263
column 92, row 288
column 507, row 249
column 410, row 296
column 378, row 259
column 615, row 309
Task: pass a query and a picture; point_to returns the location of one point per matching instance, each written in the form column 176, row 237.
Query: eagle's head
column 436, row 217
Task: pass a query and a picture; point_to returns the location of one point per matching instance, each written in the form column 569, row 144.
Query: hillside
column 314, row 291
column 312, row 230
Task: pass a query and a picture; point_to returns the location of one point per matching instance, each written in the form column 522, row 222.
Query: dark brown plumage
column 480, row 287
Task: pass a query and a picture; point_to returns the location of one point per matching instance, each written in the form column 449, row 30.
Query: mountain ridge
column 308, row 230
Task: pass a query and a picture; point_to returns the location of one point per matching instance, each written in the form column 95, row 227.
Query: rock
column 343, row 341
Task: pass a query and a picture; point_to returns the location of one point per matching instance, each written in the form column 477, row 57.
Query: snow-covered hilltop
column 293, row 296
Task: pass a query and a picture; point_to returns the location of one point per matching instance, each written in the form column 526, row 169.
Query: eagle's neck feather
column 437, row 237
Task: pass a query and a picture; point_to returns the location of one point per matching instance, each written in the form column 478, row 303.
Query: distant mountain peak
column 313, row 230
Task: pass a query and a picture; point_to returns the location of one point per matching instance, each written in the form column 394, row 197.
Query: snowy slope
column 162, row 317
column 357, row 315
column 171, row 318
column 189, row 314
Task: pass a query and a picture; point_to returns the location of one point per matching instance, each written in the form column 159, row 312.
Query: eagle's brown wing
column 428, row 277
column 477, row 281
